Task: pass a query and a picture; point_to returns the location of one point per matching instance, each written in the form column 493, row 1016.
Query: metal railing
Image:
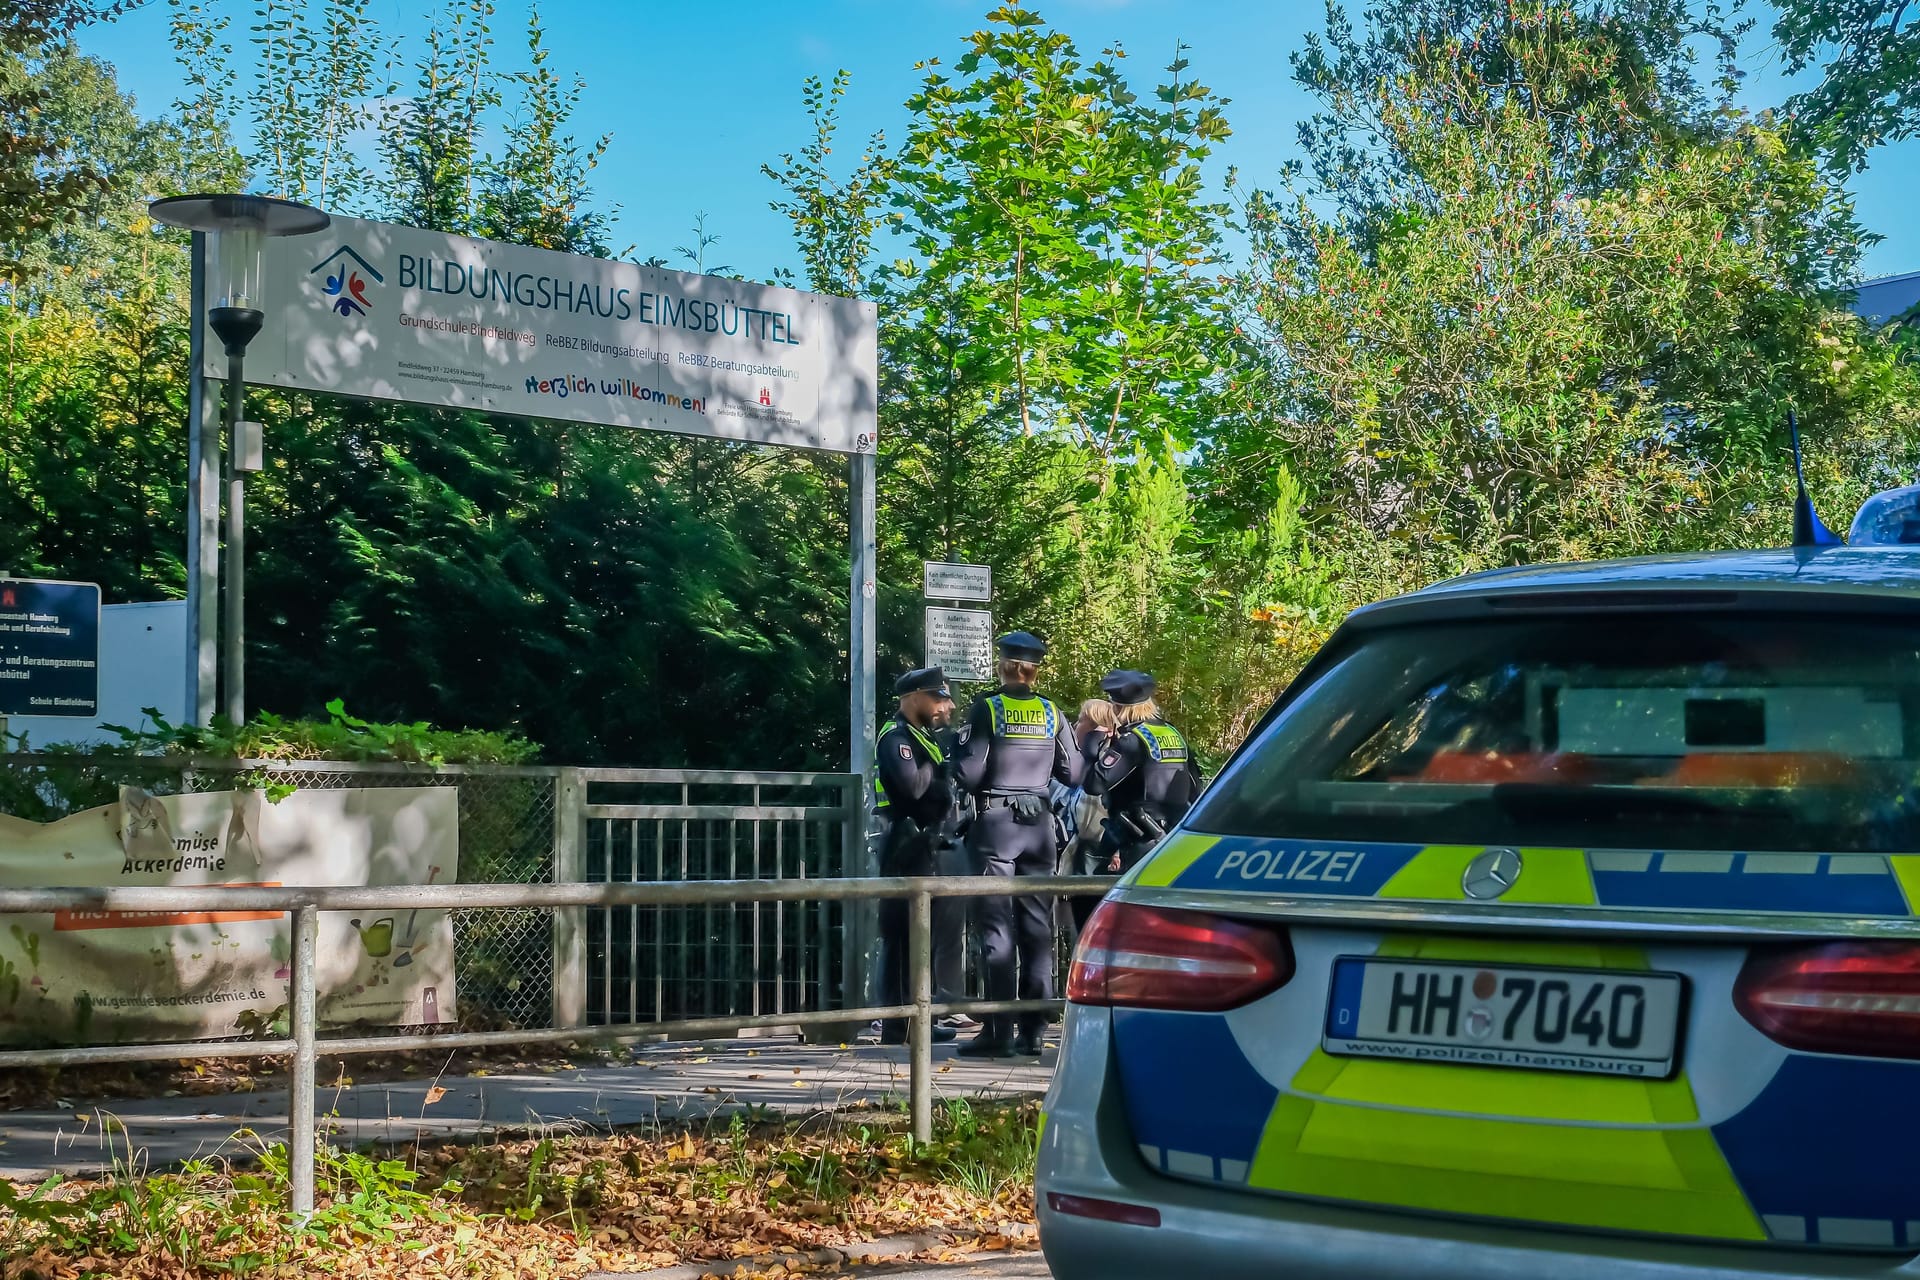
column 304, row 1045
column 540, row 967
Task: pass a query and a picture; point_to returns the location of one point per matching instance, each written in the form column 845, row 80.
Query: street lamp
column 239, row 226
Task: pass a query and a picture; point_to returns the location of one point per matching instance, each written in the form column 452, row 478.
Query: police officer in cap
column 1014, row 744
column 912, row 804
column 1143, row 768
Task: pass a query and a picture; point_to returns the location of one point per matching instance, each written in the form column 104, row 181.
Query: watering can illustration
column 376, row 938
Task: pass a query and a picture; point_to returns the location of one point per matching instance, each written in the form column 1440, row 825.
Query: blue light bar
column 1888, row 519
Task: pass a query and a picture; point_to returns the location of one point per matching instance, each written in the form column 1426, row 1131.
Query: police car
column 1557, row 922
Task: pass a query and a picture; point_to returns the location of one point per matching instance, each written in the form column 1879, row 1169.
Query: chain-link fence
column 503, row 958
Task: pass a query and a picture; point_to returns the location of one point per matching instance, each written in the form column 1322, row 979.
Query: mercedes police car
column 1556, row 923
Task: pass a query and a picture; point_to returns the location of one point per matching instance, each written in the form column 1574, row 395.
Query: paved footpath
column 663, row 1084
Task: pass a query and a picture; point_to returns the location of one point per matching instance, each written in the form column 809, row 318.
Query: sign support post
column 863, row 919
column 203, row 506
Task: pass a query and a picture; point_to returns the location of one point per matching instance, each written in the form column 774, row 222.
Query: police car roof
column 1788, row 579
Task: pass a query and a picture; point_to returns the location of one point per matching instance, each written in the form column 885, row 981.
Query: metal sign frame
column 203, row 544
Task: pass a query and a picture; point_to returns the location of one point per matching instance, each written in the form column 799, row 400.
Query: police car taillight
column 1859, row 998
column 1139, row 957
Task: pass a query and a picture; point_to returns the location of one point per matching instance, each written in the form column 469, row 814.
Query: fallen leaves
column 562, row 1208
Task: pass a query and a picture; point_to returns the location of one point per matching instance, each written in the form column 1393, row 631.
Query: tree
column 1868, row 52
column 40, row 181
column 1503, row 355
column 535, row 191
column 94, row 344
column 1060, row 218
column 430, row 140
column 834, row 219
column 312, row 99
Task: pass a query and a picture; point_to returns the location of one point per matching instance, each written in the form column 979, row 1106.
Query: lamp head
column 236, row 326
column 239, row 225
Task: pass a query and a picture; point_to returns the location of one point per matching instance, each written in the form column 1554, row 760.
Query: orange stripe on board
column 78, row 921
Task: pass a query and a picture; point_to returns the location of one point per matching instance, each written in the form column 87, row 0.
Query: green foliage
column 339, row 737
column 315, row 79
column 534, row 192
column 212, row 1217
column 42, row 185
column 1058, row 234
column 1508, row 354
column 834, row 220
column 1536, row 291
column 1868, row 52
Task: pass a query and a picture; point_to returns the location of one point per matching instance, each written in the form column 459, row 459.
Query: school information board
column 49, row 648
column 395, row 313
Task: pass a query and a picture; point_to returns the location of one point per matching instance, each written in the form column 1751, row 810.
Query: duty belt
column 1005, row 799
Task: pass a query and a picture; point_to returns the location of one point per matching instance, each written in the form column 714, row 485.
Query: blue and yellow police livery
column 1557, row 922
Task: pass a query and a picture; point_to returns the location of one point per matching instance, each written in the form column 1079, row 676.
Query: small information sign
column 960, row 642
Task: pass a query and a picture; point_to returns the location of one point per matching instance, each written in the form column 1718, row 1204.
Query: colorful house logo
column 345, row 282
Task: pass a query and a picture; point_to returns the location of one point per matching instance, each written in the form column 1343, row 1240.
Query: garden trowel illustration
column 405, row 957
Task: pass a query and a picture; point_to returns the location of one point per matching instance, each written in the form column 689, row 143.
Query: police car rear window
column 1623, row 730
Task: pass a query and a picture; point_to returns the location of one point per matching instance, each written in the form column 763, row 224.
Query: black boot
column 986, row 1046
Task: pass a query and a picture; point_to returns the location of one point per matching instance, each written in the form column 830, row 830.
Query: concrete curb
column 884, row 1248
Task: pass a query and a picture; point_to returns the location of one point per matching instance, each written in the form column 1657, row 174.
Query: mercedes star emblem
column 1491, row 874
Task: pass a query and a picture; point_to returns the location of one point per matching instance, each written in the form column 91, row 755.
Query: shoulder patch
column 906, row 752
column 1110, row 759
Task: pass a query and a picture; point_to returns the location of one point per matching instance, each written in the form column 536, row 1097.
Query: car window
column 1692, row 730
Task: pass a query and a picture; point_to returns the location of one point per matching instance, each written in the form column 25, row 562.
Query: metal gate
column 646, row 963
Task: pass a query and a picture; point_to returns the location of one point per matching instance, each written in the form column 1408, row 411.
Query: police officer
column 912, row 806
column 1143, row 768
column 1015, row 742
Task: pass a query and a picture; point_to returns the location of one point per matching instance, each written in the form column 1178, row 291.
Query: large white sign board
column 88, row 977
column 395, row 313
column 942, row 581
column 960, row 642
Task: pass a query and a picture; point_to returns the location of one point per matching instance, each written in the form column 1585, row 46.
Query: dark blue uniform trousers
column 1016, row 934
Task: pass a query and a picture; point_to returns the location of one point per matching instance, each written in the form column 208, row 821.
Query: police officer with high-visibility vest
column 913, row 805
column 1014, row 744
column 1143, row 767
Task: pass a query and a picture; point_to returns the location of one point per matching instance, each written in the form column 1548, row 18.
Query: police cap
column 923, row 680
column 1022, row 646
column 1127, row 688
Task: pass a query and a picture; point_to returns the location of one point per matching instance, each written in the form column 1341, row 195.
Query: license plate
column 1589, row 1020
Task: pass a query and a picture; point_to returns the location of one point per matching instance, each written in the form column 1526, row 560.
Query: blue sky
column 698, row 95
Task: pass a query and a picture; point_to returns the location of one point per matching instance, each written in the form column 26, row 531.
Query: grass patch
column 538, row 1206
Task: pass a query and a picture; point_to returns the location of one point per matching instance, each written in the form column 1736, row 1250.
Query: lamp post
column 239, row 226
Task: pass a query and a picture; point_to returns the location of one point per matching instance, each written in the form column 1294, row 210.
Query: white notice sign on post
column 956, row 581
column 960, row 642
column 395, row 313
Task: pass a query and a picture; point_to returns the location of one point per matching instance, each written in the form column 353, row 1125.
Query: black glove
column 1029, row 807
